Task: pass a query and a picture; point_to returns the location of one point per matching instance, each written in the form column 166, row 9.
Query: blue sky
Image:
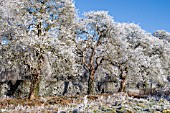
column 151, row 15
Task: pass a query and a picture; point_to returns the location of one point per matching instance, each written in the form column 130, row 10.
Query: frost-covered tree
column 43, row 40
column 147, row 57
column 99, row 47
column 43, row 44
column 161, row 34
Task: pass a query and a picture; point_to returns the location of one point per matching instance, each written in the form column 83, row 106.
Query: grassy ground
column 116, row 103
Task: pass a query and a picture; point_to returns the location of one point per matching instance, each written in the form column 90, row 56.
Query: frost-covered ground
column 116, row 103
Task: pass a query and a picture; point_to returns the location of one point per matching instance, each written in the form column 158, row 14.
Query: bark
column 91, row 88
column 34, row 88
column 39, row 30
column 35, row 80
column 123, row 80
column 122, row 84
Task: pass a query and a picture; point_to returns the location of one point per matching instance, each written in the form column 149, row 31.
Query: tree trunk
column 123, row 82
column 91, row 88
column 39, row 29
column 34, row 88
column 122, row 85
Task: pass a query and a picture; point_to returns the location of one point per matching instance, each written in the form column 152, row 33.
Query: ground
column 105, row 103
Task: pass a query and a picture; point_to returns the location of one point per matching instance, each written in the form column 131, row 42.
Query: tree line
column 46, row 38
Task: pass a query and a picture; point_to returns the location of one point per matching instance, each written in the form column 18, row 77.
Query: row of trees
column 46, row 39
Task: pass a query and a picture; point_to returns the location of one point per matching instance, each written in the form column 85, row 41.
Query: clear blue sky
column 151, row 15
